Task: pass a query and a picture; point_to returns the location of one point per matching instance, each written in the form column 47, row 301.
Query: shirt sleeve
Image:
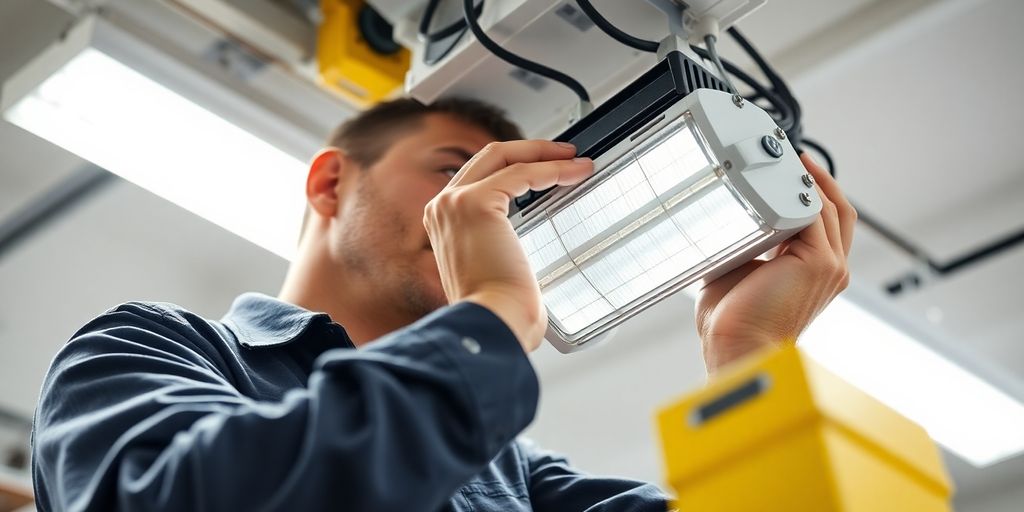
column 557, row 486
column 134, row 416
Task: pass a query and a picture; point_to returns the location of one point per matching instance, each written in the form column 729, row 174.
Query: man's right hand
column 478, row 253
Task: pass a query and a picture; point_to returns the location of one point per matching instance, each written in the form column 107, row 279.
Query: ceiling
column 911, row 97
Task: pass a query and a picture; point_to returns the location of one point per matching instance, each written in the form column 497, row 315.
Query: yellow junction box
column 777, row 432
column 346, row 62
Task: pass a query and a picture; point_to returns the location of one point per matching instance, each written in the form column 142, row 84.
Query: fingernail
column 565, row 145
column 581, row 159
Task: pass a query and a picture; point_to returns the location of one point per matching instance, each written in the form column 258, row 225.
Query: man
column 391, row 372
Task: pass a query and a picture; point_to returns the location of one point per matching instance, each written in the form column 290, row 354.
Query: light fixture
column 82, row 95
column 689, row 183
column 960, row 411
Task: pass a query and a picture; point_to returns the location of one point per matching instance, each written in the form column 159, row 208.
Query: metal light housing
column 689, row 183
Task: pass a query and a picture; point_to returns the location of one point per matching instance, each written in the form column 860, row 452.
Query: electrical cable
column 440, row 43
column 777, row 82
column 613, row 31
column 819, row 149
column 516, row 60
column 787, row 119
column 709, row 41
column 769, row 71
column 778, row 86
column 449, row 30
column 783, row 105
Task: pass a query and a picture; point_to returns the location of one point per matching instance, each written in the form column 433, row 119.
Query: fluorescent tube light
column 962, row 412
column 119, row 119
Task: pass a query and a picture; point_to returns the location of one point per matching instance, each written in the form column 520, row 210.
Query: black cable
column 778, row 85
column 784, row 106
column 451, row 29
column 818, row 148
column 787, row 117
column 613, row 31
column 515, row 60
column 776, row 81
column 709, row 42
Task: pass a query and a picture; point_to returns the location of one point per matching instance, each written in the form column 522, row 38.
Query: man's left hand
column 770, row 302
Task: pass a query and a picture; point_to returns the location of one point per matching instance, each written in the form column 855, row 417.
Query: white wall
column 1008, row 500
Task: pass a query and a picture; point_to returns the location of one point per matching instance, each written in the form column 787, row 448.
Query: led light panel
column 688, row 187
column 661, row 213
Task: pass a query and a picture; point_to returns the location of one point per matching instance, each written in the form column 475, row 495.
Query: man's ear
column 327, row 170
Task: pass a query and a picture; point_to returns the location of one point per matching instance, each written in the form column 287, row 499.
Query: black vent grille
column 632, row 108
column 697, row 77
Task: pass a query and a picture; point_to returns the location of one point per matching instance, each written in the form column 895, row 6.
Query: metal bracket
column 49, row 206
column 674, row 12
column 678, row 38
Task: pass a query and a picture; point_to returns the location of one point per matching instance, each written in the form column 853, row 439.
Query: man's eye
column 450, row 171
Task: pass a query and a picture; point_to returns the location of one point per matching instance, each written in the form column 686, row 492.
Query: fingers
column 830, row 220
column 812, row 237
column 836, row 221
column 479, row 257
column 846, row 214
column 499, row 155
column 516, row 179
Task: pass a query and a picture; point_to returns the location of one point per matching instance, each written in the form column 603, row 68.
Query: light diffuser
column 962, row 412
column 106, row 112
column 665, row 207
column 660, row 214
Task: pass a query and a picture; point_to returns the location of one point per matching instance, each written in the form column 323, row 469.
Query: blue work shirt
column 151, row 407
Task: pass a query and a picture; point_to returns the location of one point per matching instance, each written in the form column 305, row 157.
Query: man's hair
column 368, row 135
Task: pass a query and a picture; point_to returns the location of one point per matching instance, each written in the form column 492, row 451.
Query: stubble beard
column 397, row 279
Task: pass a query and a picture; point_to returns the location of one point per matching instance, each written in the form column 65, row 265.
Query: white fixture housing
column 531, row 28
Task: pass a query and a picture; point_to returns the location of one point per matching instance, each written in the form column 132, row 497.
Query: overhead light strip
column 967, row 415
column 110, row 114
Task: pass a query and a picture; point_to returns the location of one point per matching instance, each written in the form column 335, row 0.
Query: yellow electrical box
column 777, row 432
column 348, row 63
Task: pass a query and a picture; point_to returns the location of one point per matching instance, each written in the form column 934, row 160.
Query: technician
column 391, row 371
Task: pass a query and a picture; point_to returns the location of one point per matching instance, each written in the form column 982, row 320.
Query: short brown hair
column 368, row 135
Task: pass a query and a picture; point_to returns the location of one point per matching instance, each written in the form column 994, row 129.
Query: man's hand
column 478, row 253
column 771, row 302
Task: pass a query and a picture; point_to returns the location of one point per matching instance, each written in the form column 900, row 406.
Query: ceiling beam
column 51, row 205
column 261, row 24
column 874, row 29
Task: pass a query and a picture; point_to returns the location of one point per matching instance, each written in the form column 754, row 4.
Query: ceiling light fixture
column 689, row 183
column 83, row 95
column 967, row 415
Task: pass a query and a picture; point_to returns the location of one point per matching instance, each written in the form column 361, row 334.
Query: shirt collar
column 259, row 320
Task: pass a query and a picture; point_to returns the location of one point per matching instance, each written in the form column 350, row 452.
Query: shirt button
column 471, row 345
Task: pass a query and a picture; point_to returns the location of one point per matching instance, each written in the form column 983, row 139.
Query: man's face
column 378, row 236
